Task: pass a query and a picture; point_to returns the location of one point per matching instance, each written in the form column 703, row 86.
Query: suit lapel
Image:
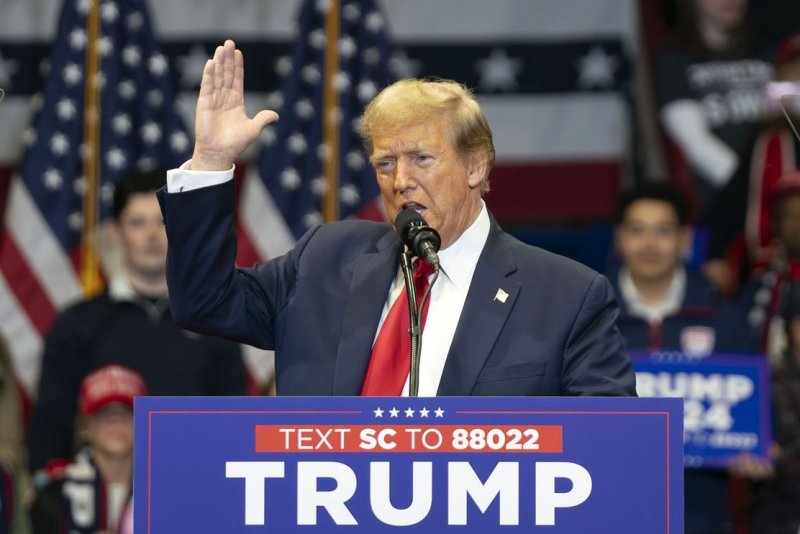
column 372, row 276
column 489, row 302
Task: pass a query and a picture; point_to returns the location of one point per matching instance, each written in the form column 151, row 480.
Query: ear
column 477, row 170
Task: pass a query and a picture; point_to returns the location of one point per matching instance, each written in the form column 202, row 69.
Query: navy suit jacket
column 319, row 306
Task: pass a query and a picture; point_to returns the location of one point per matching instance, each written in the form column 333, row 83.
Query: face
column 651, row 241
column 419, row 168
column 111, row 430
column 787, row 226
column 143, row 235
column 723, row 14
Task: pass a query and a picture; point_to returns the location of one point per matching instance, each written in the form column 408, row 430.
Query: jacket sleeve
column 208, row 294
column 595, row 360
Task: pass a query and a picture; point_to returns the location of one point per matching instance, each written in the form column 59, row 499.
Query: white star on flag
column 378, row 412
column 596, row 69
column 424, row 412
column 191, row 66
column 439, row 412
column 409, row 412
column 499, row 71
column 394, row 412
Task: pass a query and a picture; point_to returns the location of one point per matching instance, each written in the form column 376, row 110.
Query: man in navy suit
column 505, row 318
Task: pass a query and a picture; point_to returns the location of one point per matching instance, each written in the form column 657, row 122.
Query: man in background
column 129, row 324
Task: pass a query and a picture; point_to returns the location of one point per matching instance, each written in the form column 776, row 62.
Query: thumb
column 265, row 117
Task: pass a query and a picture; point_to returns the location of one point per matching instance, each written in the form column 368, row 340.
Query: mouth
column 419, row 208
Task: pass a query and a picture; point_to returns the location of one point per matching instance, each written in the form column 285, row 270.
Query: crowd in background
column 65, row 463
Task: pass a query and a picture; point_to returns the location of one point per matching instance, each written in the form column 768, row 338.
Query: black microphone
column 420, row 238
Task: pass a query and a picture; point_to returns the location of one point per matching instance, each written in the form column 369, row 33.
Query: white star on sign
column 191, row 66
column 499, row 71
column 72, row 74
column 77, row 39
column 65, row 109
column 596, row 69
column 121, row 123
column 59, row 144
column 409, row 412
column 424, row 412
column 393, row 412
column 439, row 412
column 378, row 412
column 151, row 133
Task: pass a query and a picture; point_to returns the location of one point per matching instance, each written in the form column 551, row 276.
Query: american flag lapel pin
column 501, row 296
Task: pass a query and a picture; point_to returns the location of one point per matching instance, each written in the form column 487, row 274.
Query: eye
column 424, row 159
column 384, row 165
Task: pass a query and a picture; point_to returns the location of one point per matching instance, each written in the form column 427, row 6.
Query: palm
column 222, row 128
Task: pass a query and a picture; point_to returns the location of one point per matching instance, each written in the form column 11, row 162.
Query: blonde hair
column 412, row 101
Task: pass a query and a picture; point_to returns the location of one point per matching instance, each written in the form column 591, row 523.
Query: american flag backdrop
column 139, row 129
column 553, row 76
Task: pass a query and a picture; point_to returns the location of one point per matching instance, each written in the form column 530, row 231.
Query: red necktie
column 390, row 360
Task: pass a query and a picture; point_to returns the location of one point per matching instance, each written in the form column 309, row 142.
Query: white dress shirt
column 447, row 297
column 637, row 307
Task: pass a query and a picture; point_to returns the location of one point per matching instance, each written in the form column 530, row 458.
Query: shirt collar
column 672, row 303
column 458, row 261
column 121, row 289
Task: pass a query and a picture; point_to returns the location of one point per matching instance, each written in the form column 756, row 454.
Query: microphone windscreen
column 405, row 220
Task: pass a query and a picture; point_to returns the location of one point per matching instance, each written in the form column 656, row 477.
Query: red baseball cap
column 109, row 384
column 788, row 50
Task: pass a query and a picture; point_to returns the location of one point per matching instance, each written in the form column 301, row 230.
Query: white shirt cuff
column 185, row 179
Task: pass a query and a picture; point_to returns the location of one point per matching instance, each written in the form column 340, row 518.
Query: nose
column 404, row 176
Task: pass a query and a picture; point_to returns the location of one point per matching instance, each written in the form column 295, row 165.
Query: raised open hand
column 222, row 128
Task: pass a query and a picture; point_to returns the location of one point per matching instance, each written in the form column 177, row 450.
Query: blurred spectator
column 13, row 475
column 709, row 83
column 130, row 325
column 744, row 204
column 777, row 504
column 93, row 492
column 667, row 305
column 767, row 296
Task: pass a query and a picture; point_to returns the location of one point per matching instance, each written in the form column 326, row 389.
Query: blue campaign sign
column 360, row 464
column 726, row 400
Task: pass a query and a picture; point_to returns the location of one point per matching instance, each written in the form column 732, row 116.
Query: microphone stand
column 414, row 331
column 415, row 317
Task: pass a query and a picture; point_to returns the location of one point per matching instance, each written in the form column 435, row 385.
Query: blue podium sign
column 726, row 400
column 360, row 464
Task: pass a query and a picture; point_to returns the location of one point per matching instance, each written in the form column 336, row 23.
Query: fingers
column 218, row 67
column 265, row 117
column 229, row 50
column 207, row 82
column 238, row 72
